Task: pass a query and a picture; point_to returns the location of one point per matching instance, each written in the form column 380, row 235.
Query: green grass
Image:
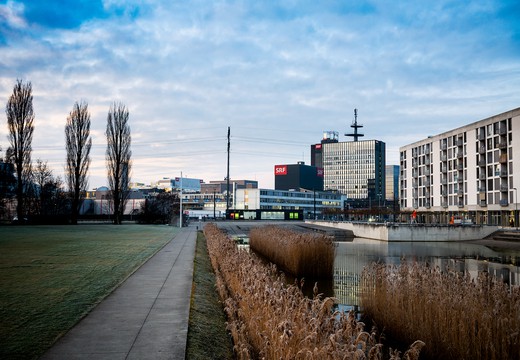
column 52, row 276
column 207, row 335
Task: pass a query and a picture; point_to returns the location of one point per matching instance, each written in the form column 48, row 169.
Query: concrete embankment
column 411, row 232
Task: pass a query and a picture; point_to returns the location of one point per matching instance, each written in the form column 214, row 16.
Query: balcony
column 482, row 176
column 482, row 162
column 502, row 145
column 460, row 204
column 504, row 202
column 444, row 204
column 427, row 182
column 427, row 161
column 460, row 166
column 444, row 146
column 460, row 142
column 444, row 158
column 460, row 179
column 415, row 164
column 482, row 203
column 503, row 174
column 415, row 173
column 503, row 159
column 460, row 155
column 481, row 189
column 427, row 205
column 444, row 181
column 460, row 192
column 427, row 171
column 444, row 169
column 504, row 188
column 502, row 130
column 444, row 193
column 482, row 150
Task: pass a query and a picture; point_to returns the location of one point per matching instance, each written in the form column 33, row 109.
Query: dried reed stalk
column 301, row 254
column 270, row 320
column 459, row 317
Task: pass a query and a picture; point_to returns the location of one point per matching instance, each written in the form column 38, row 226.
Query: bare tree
column 42, row 174
column 20, row 118
column 78, row 144
column 118, row 157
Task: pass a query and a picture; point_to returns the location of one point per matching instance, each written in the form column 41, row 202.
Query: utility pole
column 214, row 206
column 227, row 178
column 180, row 204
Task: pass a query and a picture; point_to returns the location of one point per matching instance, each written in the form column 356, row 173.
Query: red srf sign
column 319, row 172
column 280, row 170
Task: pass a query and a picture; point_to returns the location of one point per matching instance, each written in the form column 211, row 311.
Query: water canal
column 352, row 256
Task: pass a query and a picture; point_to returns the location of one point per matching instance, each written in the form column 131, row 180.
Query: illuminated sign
column 318, row 146
column 280, row 170
column 319, row 172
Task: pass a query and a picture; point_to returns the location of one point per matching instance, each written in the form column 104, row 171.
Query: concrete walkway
column 146, row 317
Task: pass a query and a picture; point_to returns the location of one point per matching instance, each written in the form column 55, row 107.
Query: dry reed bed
column 269, row 320
column 458, row 317
column 301, row 254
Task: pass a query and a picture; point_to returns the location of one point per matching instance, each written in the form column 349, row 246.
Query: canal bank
column 411, row 232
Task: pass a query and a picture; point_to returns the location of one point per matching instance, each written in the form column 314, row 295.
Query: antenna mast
column 355, row 125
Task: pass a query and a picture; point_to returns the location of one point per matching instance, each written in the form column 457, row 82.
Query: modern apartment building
column 465, row 173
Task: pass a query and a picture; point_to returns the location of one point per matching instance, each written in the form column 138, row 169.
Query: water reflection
column 352, row 257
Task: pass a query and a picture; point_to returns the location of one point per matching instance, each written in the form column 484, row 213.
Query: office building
column 298, row 176
column 312, row 203
column 467, row 173
column 392, row 182
column 355, row 168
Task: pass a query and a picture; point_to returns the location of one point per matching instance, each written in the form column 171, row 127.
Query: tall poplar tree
column 78, row 143
column 118, row 157
column 20, row 118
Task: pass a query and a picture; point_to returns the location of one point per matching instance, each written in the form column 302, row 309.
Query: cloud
column 273, row 71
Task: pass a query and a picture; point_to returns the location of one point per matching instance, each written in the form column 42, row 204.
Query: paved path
column 146, row 317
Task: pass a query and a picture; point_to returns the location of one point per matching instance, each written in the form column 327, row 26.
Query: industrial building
column 466, row 174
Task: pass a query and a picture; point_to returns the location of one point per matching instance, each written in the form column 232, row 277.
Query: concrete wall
column 406, row 232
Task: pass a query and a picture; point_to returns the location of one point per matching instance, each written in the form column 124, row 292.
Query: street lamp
column 516, row 207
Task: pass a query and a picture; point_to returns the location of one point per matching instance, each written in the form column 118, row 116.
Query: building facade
column 317, row 149
column 467, row 173
column 392, row 182
column 313, row 204
column 298, row 176
column 355, row 168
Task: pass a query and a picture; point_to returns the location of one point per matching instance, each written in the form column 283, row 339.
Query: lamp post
column 516, row 207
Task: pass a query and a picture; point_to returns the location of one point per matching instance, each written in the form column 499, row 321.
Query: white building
column 467, row 173
column 310, row 202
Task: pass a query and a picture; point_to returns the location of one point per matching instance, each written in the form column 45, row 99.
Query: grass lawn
column 51, row 276
column 207, row 335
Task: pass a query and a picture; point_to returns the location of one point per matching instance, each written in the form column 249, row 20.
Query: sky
column 277, row 73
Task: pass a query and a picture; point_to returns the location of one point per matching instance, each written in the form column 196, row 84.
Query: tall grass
column 270, row 320
column 458, row 317
column 301, row 254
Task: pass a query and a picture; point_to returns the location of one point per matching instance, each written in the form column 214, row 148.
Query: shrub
column 270, row 320
column 459, row 317
column 301, row 254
